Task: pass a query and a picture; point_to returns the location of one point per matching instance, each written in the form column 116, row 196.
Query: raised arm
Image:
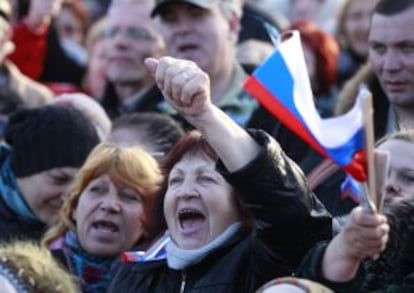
column 187, row 88
column 30, row 37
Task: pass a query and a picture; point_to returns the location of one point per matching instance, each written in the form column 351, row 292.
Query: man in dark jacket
column 391, row 58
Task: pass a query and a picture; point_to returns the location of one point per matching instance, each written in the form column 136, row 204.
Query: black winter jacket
column 289, row 220
column 13, row 226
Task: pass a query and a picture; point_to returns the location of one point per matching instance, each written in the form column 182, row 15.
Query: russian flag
column 155, row 252
column 351, row 188
column 282, row 86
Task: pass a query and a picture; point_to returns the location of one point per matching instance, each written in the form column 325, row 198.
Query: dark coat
column 13, row 226
column 58, row 66
column 289, row 220
column 396, row 264
column 329, row 191
column 292, row 145
column 405, row 286
column 147, row 103
column 348, row 64
column 311, row 268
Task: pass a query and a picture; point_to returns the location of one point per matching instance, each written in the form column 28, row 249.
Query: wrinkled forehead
column 130, row 13
column 392, row 28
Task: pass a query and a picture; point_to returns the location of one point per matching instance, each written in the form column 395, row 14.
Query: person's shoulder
column 139, row 267
column 132, row 276
column 406, row 285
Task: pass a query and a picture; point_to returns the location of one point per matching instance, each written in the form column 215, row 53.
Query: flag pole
column 369, row 148
column 382, row 164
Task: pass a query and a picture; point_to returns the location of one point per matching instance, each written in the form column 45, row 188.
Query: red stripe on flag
column 272, row 104
column 277, row 109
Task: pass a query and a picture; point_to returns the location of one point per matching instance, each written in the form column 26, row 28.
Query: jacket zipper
column 183, row 282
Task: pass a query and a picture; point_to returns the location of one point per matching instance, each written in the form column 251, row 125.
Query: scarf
column 179, row 258
column 9, row 191
column 93, row 272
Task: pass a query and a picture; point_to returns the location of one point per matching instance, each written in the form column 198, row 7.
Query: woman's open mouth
column 105, row 227
column 190, row 220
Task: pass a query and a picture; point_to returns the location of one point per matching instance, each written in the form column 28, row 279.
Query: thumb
column 151, row 64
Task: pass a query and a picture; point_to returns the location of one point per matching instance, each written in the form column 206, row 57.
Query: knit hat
column 49, row 137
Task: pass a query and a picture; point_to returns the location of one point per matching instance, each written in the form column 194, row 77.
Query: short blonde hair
column 127, row 166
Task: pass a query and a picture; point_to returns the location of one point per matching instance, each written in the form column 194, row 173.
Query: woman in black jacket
column 210, row 245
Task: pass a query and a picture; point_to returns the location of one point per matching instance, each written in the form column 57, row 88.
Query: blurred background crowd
column 84, row 115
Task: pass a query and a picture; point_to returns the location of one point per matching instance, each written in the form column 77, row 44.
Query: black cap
column 206, row 4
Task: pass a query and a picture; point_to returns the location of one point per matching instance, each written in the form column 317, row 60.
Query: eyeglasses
column 133, row 33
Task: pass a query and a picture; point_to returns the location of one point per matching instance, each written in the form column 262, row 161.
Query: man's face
column 131, row 37
column 203, row 36
column 391, row 55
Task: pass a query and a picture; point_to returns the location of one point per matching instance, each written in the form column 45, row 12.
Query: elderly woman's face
column 199, row 204
column 108, row 218
column 399, row 184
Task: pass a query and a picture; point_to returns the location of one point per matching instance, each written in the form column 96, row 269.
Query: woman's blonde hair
column 96, row 33
column 341, row 33
column 127, row 166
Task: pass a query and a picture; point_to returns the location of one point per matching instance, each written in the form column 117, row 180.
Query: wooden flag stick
column 382, row 165
column 369, row 144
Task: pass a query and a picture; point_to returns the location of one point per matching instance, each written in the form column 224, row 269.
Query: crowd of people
column 132, row 159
